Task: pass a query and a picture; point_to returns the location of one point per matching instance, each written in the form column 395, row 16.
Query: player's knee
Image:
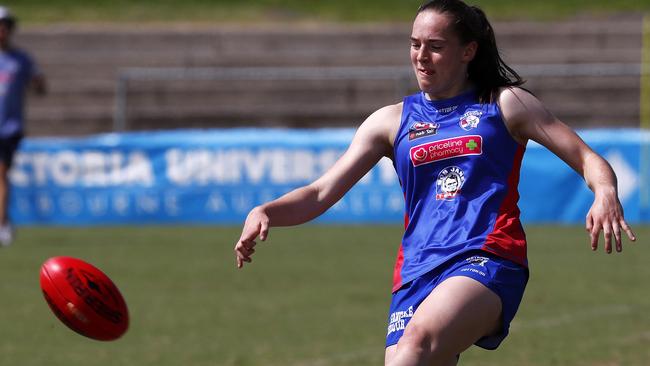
column 415, row 339
column 425, row 345
column 418, row 341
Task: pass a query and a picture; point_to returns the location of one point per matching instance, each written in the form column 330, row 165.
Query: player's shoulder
column 514, row 94
column 389, row 111
column 381, row 126
column 517, row 102
column 385, row 116
column 521, row 111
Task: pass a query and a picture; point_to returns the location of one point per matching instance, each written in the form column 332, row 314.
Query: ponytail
column 487, row 70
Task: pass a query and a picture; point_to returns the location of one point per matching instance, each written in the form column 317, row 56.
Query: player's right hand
column 606, row 215
column 256, row 225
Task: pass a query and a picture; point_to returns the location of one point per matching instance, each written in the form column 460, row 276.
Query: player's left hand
column 606, row 215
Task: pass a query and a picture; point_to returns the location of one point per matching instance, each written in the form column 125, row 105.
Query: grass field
column 315, row 295
column 46, row 11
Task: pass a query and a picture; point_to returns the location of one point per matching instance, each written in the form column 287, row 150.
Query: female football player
column 457, row 147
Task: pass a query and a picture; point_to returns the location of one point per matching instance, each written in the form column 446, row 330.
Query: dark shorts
column 8, row 147
column 505, row 278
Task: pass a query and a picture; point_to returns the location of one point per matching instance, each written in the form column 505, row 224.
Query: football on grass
column 84, row 298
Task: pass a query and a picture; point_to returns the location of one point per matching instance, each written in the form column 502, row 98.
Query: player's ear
column 469, row 52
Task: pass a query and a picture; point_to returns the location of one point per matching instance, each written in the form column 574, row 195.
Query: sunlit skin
column 438, row 57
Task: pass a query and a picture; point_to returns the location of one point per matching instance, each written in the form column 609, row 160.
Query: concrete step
column 220, row 46
column 83, row 62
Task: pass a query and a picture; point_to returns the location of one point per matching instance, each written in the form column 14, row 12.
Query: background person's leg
column 4, row 193
column 6, row 234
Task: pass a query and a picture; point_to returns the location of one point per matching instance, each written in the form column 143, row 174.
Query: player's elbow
column 324, row 196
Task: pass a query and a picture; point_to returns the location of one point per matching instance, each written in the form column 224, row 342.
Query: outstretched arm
column 527, row 118
column 371, row 142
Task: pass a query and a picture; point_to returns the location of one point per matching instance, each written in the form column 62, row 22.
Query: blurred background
column 166, row 121
column 159, row 65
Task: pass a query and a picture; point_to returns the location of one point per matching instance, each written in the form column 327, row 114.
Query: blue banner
column 217, row 176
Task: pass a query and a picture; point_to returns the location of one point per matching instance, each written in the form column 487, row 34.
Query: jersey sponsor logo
column 446, row 149
column 449, row 183
column 477, row 260
column 470, row 120
column 421, row 129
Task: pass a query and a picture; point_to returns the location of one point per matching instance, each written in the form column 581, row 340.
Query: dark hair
column 487, row 70
column 9, row 22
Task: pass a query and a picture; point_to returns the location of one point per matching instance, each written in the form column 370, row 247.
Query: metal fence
column 402, row 76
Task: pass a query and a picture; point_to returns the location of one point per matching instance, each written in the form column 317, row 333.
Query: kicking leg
column 457, row 313
column 391, row 351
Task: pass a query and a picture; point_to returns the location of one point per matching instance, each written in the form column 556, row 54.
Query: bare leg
column 457, row 313
column 391, row 351
column 4, row 194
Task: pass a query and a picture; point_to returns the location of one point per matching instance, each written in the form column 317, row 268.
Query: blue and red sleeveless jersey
column 459, row 170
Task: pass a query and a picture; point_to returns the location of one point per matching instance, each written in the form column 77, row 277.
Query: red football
column 84, row 298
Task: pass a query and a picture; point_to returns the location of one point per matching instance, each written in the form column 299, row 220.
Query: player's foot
column 6, row 235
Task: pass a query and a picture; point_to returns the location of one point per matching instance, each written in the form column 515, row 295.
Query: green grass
column 315, row 295
column 47, row 11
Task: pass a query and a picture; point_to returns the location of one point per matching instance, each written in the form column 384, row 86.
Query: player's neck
column 453, row 92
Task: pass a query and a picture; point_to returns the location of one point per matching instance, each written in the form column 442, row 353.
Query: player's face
column 438, row 57
column 5, row 34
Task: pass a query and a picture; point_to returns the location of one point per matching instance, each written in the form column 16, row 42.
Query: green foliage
column 314, row 295
column 255, row 11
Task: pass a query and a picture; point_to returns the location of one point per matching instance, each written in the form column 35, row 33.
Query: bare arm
column 527, row 118
column 371, row 142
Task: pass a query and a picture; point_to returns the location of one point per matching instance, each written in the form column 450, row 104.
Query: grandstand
column 84, row 64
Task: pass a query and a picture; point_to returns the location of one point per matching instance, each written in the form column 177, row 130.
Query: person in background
column 18, row 74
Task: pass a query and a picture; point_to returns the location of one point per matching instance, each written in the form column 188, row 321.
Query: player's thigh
column 457, row 313
column 391, row 352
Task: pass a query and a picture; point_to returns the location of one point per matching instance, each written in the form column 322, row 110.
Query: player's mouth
column 425, row 72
